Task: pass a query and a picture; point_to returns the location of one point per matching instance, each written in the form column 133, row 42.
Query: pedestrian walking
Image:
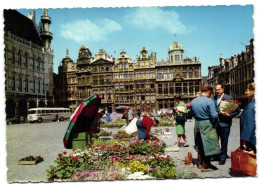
column 144, row 126
column 180, row 111
column 247, row 121
column 108, row 119
column 206, row 140
column 224, row 123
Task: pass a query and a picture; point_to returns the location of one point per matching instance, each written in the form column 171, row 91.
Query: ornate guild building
column 147, row 85
column 28, row 63
column 234, row 73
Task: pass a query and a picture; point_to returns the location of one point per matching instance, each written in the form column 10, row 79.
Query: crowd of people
column 212, row 126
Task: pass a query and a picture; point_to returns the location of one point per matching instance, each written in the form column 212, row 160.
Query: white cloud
column 85, row 30
column 155, row 17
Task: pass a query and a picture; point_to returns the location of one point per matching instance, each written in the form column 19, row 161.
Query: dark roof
column 21, row 26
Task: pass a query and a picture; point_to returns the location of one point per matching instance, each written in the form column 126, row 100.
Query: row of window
column 23, row 86
column 36, row 64
column 102, row 69
column 178, row 88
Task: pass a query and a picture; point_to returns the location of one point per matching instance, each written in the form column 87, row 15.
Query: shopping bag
column 243, row 162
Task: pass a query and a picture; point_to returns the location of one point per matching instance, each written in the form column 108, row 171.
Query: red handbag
column 243, row 162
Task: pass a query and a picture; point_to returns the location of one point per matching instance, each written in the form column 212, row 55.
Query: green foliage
column 162, row 167
column 65, row 167
column 97, row 142
column 164, row 173
column 112, row 125
column 153, row 146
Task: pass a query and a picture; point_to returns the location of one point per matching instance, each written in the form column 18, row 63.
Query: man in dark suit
column 224, row 122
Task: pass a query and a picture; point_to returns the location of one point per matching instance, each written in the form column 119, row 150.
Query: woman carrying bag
column 180, row 111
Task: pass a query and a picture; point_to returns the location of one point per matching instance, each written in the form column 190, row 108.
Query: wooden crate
column 27, row 162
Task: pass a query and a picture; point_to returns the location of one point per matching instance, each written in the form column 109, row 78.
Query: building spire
column 67, row 52
column 175, row 38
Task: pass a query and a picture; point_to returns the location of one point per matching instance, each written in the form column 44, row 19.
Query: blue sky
column 204, row 31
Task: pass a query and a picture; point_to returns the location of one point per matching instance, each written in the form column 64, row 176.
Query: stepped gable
column 21, row 26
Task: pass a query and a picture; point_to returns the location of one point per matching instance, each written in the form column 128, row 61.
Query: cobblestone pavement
column 45, row 139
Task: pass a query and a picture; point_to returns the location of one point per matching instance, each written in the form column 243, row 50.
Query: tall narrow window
column 165, row 89
column 39, row 86
column 20, row 84
column 160, row 74
column 26, row 84
column 190, row 73
column 178, row 88
column 26, row 60
column 33, row 63
column 191, row 88
column 13, row 57
column 34, row 86
column 126, row 66
column 43, row 86
column 171, row 88
column 19, row 59
column 159, row 88
column 13, row 82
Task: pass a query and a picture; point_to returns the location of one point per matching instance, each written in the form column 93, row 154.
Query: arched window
column 13, row 57
column 39, row 86
column 26, row 60
column 19, row 58
column 43, row 85
column 26, row 84
column 33, row 63
column 39, row 65
column 34, row 85
column 13, row 83
column 126, row 66
column 20, row 84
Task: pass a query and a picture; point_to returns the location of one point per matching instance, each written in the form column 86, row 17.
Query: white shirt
column 219, row 99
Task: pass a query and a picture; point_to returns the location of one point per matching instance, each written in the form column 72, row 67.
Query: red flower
column 155, row 149
column 223, row 98
column 64, row 152
column 235, row 100
column 69, row 156
column 230, row 101
column 63, row 162
column 60, row 154
column 239, row 103
column 74, row 158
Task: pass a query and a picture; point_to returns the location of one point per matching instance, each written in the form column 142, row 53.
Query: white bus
column 48, row 113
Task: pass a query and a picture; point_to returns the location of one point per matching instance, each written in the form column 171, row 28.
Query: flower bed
column 121, row 134
column 114, row 162
column 112, row 125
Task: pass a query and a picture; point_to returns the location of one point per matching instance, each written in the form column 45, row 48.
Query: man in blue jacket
column 224, row 122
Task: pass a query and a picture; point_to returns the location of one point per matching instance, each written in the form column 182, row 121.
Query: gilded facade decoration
column 147, row 85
